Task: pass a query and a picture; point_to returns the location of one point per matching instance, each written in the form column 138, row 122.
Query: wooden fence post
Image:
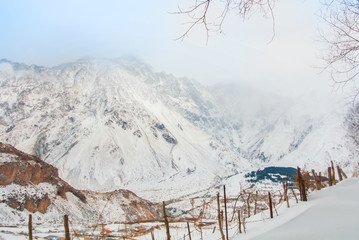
column 270, row 205
column 248, row 205
column 301, row 185
column 255, row 203
column 239, row 221
column 317, row 186
column 220, row 217
column 330, row 176
column 295, row 196
column 66, row 225
column 320, row 180
column 166, row 221
column 189, row 231
column 225, row 210
column 285, row 187
column 339, row 173
column 30, row 227
column 345, row 176
column 283, row 183
column 244, row 224
column 333, row 169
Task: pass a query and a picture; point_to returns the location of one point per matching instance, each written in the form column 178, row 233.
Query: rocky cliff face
column 29, row 185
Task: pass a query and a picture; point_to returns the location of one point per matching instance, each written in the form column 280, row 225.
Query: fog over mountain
column 109, row 124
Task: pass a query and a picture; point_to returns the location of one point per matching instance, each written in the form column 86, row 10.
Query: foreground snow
column 331, row 213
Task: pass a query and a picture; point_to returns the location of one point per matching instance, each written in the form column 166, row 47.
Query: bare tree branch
column 342, row 55
column 212, row 17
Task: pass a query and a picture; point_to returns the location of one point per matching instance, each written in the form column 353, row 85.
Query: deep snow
column 331, row 213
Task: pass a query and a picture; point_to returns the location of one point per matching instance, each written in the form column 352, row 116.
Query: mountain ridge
column 115, row 123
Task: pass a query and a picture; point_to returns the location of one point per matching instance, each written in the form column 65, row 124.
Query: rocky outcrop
column 17, row 167
column 133, row 207
column 25, row 169
column 27, row 182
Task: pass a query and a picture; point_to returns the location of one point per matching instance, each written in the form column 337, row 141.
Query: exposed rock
column 169, row 138
column 26, row 170
column 27, row 182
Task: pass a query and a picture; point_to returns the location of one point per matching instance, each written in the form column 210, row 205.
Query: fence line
column 241, row 204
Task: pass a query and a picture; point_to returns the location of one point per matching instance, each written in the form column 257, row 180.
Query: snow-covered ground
column 331, row 213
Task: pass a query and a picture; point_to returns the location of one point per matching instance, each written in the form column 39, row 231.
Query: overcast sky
column 49, row 33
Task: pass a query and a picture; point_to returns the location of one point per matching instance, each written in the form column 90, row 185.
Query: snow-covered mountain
column 307, row 131
column 110, row 124
column 107, row 124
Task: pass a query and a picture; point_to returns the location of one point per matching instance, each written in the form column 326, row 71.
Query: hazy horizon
column 57, row 32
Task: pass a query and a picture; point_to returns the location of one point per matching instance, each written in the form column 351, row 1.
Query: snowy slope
column 109, row 124
column 306, row 131
column 331, row 213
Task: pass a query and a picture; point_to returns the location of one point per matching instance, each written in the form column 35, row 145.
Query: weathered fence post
column 270, row 205
column 66, row 225
column 255, row 203
column 333, row 169
column 295, row 196
column 239, row 221
column 220, row 217
column 345, row 176
column 225, row 210
column 330, row 176
column 301, row 185
column 244, row 224
column 320, row 180
column 283, row 183
column 339, row 173
column 285, row 189
column 30, row 227
column 166, row 221
column 248, row 205
column 315, row 180
column 189, row 231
